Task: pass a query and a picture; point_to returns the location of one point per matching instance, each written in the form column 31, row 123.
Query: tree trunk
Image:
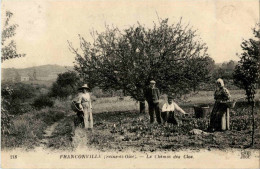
column 253, row 123
column 142, row 107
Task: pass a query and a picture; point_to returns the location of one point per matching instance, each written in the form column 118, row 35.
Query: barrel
column 201, row 111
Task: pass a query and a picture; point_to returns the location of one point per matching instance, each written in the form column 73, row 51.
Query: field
column 118, row 126
column 129, row 130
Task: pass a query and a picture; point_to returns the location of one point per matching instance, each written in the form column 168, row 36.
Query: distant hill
column 45, row 72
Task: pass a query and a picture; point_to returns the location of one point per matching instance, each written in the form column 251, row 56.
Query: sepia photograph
column 130, row 84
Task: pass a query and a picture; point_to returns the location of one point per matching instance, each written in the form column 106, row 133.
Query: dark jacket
column 152, row 95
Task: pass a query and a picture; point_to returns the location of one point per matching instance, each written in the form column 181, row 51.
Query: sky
column 45, row 26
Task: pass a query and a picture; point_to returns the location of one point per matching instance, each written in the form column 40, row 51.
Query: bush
column 43, row 101
column 22, row 92
column 66, row 84
column 17, row 97
column 50, row 116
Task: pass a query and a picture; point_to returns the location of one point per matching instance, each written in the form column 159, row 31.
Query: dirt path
column 48, row 133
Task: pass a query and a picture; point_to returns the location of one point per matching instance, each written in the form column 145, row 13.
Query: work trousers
column 154, row 108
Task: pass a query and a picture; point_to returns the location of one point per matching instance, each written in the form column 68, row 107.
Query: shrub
column 23, row 92
column 43, row 101
column 50, row 116
column 66, row 84
column 16, row 98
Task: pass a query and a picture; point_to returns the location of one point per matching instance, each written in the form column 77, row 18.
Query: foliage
column 66, row 84
column 130, row 58
column 50, row 115
column 22, row 92
column 198, row 70
column 5, row 116
column 99, row 93
column 43, row 101
column 247, row 72
column 18, row 100
column 8, row 49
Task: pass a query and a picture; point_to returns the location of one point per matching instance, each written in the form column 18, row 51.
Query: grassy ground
column 28, row 129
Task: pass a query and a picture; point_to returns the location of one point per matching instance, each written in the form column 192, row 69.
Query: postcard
column 130, row 84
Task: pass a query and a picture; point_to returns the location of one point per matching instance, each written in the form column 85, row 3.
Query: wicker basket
column 231, row 104
column 75, row 107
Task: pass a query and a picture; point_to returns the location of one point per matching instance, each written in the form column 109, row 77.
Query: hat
column 170, row 97
column 85, row 86
column 152, row 81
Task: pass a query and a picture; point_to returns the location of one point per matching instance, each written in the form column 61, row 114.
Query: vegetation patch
column 131, row 131
column 62, row 136
column 28, row 129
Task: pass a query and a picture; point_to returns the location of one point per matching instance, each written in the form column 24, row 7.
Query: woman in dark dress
column 219, row 119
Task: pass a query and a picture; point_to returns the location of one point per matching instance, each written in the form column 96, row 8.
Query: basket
column 230, row 104
column 75, row 106
column 201, row 111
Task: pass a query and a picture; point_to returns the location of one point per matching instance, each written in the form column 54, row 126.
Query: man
column 168, row 111
column 152, row 95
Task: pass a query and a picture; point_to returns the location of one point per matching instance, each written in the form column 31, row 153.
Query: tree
column 8, row 49
column 66, row 84
column 130, row 58
column 198, row 70
column 246, row 74
column 231, row 65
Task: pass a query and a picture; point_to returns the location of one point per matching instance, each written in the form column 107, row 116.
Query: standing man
column 152, row 95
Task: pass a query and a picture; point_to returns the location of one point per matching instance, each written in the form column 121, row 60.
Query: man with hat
column 168, row 111
column 152, row 95
column 85, row 106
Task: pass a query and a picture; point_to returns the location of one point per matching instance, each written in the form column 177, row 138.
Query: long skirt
column 219, row 119
column 88, row 118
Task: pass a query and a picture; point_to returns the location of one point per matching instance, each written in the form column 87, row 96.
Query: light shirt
column 168, row 107
column 83, row 98
column 172, row 107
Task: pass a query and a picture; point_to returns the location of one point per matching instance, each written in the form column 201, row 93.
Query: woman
column 84, row 101
column 219, row 119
